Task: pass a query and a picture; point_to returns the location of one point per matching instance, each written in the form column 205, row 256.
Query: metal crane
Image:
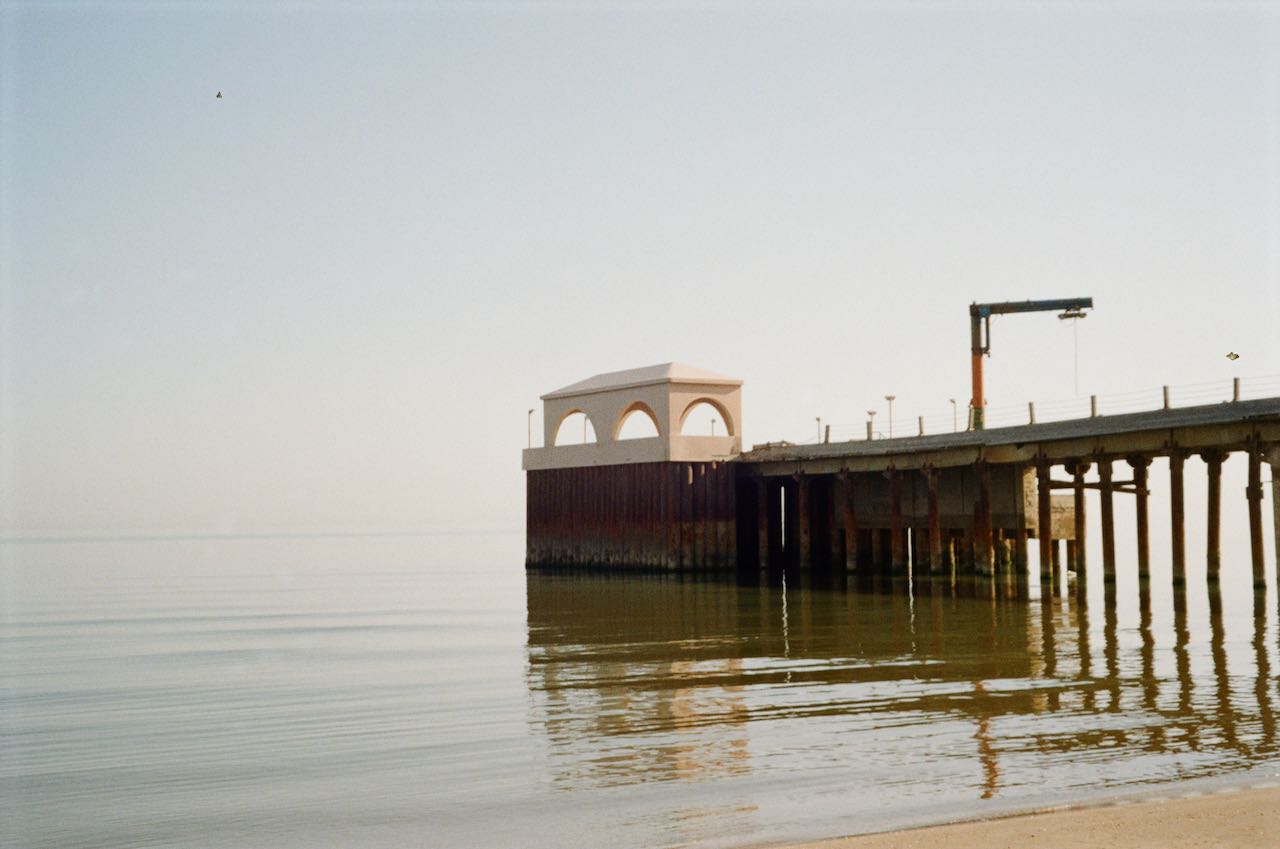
column 980, row 335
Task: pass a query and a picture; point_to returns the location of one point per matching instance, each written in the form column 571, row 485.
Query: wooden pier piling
column 1177, row 529
column 1055, row 581
column 1108, row 521
column 1044, row 522
column 983, row 530
column 1213, row 548
column 897, row 540
column 1273, row 459
column 762, row 522
column 1139, row 464
column 935, row 522
column 850, row 515
column 1254, row 496
column 804, row 528
column 1078, row 470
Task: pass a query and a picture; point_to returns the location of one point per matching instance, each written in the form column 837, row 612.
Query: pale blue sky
column 326, row 301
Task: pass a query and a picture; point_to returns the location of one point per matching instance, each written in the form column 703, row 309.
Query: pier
column 953, row 503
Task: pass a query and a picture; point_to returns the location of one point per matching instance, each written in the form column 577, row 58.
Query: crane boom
column 980, row 336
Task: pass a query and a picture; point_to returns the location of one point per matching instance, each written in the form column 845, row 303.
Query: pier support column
column 1178, row 532
column 919, row 550
column 1044, row 518
column 1254, row 495
column 762, row 521
column 982, row 525
column 1213, row 548
column 896, row 540
column 848, row 509
column 835, row 524
column 1020, row 537
column 1108, row 522
column 804, row 524
column 1056, row 547
column 935, row 523
column 1139, row 465
column 1078, row 470
column 1273, row 459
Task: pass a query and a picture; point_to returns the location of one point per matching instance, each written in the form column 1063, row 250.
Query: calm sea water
column 425, row 691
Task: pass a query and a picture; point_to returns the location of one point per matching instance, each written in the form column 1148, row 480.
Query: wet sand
column 1247, row 819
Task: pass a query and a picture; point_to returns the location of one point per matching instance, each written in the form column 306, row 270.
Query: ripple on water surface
column 426, row 691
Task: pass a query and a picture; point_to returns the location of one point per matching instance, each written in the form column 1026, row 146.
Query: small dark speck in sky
column 1233, row 356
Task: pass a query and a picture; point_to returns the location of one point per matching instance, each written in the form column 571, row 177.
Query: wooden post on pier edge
column 1055, row 555
column 850, row 523
column 1273, row 459
column 1213, row 548
column 1045, row 520
column 983, row 528
column 1077, row 470
column 935, row 523
column 804, row 528
column 897, row 549
column 1139, row 465
column 1254, row 494
column 1178, row 533
column 1108, row 522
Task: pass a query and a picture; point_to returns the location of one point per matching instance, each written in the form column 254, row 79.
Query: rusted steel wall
column 638, row 515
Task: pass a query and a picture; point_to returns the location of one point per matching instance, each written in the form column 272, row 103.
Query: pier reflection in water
column 862, row 706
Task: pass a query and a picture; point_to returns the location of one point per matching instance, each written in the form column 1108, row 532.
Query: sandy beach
column 1246, row 819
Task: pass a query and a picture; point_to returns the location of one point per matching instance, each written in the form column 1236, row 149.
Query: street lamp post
column 713, row 427
column 818, row 419
column 531, row 428
column 890, row 399
column 871, row 417
column 954, row 426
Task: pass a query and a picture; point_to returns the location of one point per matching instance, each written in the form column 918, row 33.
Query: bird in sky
column 219, row 95
column 1232, row 355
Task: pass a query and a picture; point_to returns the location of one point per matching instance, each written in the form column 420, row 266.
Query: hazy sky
column 325, row 301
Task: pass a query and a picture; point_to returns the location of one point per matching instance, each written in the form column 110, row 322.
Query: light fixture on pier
column 954, row 426
column 890, row 399
column 1071, row 315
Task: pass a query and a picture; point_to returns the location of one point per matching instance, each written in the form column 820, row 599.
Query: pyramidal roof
column 663, row 373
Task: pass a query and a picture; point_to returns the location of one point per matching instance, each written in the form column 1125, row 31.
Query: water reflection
column 983, row 688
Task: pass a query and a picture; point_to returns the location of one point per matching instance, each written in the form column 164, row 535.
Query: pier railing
column 908, row 423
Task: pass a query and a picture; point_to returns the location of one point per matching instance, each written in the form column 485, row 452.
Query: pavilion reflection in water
column 643, row 678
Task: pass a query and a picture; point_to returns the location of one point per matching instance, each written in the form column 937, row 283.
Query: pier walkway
column 1229, row 425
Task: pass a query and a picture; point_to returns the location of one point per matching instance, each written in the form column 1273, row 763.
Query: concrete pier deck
column 1227, row 425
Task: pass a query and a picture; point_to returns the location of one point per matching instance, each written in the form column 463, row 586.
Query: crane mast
column 980, row 336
